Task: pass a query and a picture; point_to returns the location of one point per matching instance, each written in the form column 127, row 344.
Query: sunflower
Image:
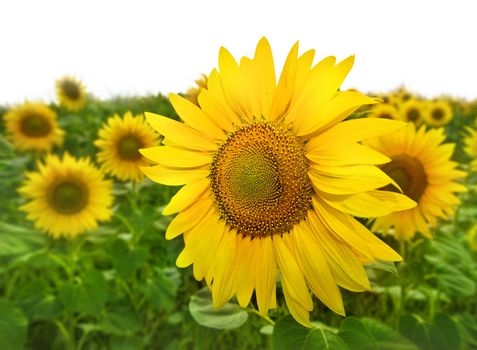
column 438, row 113
column 272, row 178
column 412, row 111
column 71, row 93
column 119, row 142
column 193, row 93
column 67, row 196
column 33, row 126
column 384, row 110
column 421, row 166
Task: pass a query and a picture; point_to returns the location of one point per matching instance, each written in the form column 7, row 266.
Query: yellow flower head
column 412, row 111
column 272, row 178
column 119, row 142
column 438, row 113
column 33, row 126
column 421, row 166
column 193, row 93
column 66, row 196
column 71, row 93
column 385, row 111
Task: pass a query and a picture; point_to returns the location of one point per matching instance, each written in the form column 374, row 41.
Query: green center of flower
column 259, row 180
column 71, row 89
column 128, row 148
column 408, row 173
column 437, row 114
column 35, row 125
column 68, row 197
column 413, row 114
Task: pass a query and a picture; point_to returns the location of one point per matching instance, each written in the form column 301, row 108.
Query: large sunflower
column 119, row 142
column 71, row 93
column 438, row 113
column 67, row 196
column 421, row 166
column 272, row 178
column 33, row 126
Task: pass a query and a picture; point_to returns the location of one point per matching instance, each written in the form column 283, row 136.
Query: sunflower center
column 71, row 89
column 35, row 125
column 409, row 174
column 259, row 180
column 413, row 114
column 68, row 197
column 385, row 116
column 128, row 148
column 437, row 114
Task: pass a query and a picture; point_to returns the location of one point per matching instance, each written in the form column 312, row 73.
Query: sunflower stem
column 265, row 317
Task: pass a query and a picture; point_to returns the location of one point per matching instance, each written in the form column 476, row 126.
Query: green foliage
column 13, row 326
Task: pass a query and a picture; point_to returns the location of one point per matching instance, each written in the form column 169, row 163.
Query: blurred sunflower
column 421, row 166
column 438, row 113
column 67, row 196
column 193, row 93
column 272, row 178
column 385, row 111
column 412, row 111
column 470, row 142
column 119, row 142
column 71, row 93
column 33, row 126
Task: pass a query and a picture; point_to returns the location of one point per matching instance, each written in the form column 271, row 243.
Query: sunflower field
column 264, row 208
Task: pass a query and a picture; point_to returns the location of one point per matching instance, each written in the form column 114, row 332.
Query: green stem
column 69, row 339
column 265, row 317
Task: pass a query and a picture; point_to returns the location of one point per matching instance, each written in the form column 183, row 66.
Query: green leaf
column 38, row 302
column 161, row 290
column 13, row 326
column 18, row 240
column 227, row 317
column 289, row 334
column 443, row 334
column 120, row 321
column 126, row 343
column 127, row 260
column 370, row 334
column 86, row 295
column 452, row 280
column 387, row 266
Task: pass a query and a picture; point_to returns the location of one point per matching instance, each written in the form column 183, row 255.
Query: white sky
column 138, row 47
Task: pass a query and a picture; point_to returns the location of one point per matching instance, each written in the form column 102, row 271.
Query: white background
column 138, row 47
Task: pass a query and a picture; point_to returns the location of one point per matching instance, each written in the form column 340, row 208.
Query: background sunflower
column 66, row 196
column 33, row 126
column 120, row 140
column 71, row 93
column 422, row 167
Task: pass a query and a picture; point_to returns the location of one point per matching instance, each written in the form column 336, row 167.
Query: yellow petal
column 188, row 218
column 173, row 177
column 195, row 117
column 180, row 134
column 175, row 157
column 186, row 196
column 265, row 275
column 371, row 203
column 345, row 154
column 223, row 285
column 315, row 268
